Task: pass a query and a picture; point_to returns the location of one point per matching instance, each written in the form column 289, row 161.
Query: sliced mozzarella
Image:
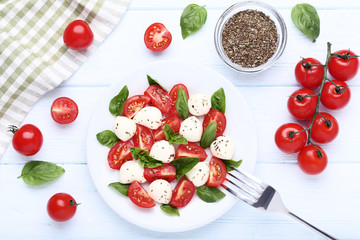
column 131, row 171
column 149, row 117
column 124, row 128
column 191, row 129
column 222, row 147
column 163, row 151
column 199, row 174
column 160, row 191
column 199, row 104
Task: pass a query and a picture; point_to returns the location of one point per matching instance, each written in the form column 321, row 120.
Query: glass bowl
column 252, row 5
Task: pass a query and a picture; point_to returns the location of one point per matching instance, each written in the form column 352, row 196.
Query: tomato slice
column 135, row 104
column 166, row 172
column 159, row 98
column 173, row 95
column 157, row 38
column 139, row 196
column 191, row 150
column 183, row 193
column 119, row 154
column 64, row 110
column 217, row 172
column 219, row 117
column 143, row 138
column 173, row 121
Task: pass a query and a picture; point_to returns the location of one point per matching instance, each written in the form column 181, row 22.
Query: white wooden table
column 329, row 201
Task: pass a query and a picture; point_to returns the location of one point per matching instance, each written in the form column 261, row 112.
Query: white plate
column 198, row 79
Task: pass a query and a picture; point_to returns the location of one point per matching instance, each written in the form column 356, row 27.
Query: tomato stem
column 72, row 203
column 12, row 128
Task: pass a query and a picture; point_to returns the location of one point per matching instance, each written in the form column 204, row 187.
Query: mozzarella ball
column 199, row 104
column 160, row 191
column 191, row 129
column 222, row 147
column 131, row 171
column 149, row 117
column 124, row 128
column 163, row 151
column 199, row 174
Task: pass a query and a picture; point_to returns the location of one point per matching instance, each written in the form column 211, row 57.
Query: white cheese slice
column 222, row 147
column 124, row 128
column 199, row 104
column 191, row 129
column 131, row 171
column 160, row 191
column 163, row 151
column 199, row 174
column 149, row 117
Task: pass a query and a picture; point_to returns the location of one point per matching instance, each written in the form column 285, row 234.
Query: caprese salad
column 160, row 137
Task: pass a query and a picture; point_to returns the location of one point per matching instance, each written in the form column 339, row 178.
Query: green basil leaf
column 121, row 188
column 184, row 165
column 107, row 138
column 209, row 135
column 171, row 210
column 231, row 163
column 209, row 194
column 145, row 160
column 152, row 81
column 36, row 173
column 173, row 137
column 182, row 104
column 306, row 19
column 178, row 140
column 192, row 19
column 136, row 152
column 169, row 132
column 117, row 103
column 218, row 101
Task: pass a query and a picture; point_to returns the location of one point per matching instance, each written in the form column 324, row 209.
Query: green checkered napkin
column 33, row 57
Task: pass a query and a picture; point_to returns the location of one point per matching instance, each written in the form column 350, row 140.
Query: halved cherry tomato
column 191, row 150
column 159, row 98
column 173, row 121
column 219, row 117
column 183, row 193
column 139, row 196
column 143, row 138
column 64, row 110
column 173, row 95
column 325, row 128
column 157, row 38
column 135, row 104
column 166, row 172
column 217, row 172
column 119, row 154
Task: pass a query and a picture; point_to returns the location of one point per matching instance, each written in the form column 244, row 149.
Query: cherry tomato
column 312, row 160
column 139, row 196
column 335, row 97
column 217, row 172
column 143, row 138
column 191, row 150
column 300, row 105
column 159, row 98
column 78, row 35
column 157, row 38
column 64, row 110
column 324, row 130
column 219, row 117
column 119, row 154
column 166, row 172
column 61, row 207
column 287, row 140
column 173, row 121
column 183, row 193
column 343, row 69
column 27, row 140
column 134, row 104
column 173, row 95
column 313, row 76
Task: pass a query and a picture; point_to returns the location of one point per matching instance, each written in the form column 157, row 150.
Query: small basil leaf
column 231, row 163
column 135, row 152
column 209, row 135
column 36, row 173
column 173, row 137
column 145, row 160
column 171, row 210
column 117, row 103
column 192, row 19
column 152, row 81
column 182, row 104
column 178, row 140
column 184, row 165
column 306, row 19
column 107, row 138
column 218, row 101
column 169, row 132
column 121, row 188
column 209, row 194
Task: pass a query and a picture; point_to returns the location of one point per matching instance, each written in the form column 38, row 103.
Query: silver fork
column 261, row 196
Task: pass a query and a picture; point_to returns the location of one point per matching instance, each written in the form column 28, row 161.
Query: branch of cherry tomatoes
column 304, row 104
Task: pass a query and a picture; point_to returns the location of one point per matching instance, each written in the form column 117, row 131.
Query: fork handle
column 322, row 233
